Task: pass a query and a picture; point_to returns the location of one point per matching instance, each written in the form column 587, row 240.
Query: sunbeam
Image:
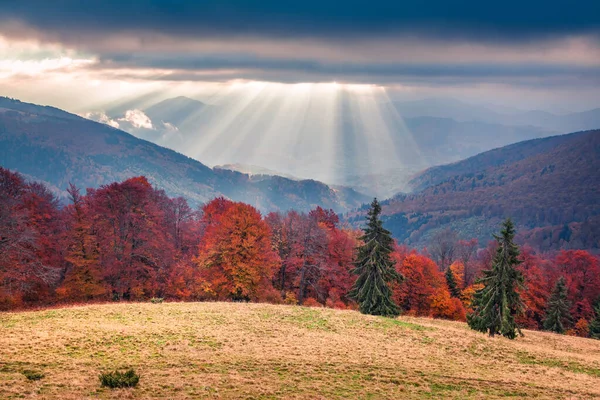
column 323, row 131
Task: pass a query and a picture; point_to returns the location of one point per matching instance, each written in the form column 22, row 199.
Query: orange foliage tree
column 424, row 291
column 581, row 328
column 458, row 269
column 235, row 255
column 83, row 273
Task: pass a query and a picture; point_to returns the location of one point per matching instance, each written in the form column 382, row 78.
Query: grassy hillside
column 232, row 350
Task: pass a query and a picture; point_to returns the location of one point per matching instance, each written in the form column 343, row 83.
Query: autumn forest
column 129, row 241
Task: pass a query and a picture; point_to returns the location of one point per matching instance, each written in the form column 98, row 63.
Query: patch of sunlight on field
column 229, row 350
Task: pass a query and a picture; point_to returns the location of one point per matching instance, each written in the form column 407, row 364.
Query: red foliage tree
column 316, row 256
column 326, row 217
column 338, row 277
column 135, row 250
column 29, row 226
column 536, row 290
column 582, row 273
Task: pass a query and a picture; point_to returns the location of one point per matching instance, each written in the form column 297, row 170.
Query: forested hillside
column 549, row 186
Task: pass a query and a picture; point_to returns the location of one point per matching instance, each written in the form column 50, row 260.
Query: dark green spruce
column 557, row 310
column 595, row 322
column 498, row 302
column 451, row 282
column 375, row 268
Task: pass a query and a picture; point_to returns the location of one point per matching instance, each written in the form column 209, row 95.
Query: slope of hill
column 491, row 159
column 550, row 187
column 56, row 147
column 237, row 350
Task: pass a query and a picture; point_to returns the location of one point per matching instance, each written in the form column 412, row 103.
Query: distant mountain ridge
column 549, row 186
column 255, row 170
column 57, row 147
column 464, row 112
column 175, row 110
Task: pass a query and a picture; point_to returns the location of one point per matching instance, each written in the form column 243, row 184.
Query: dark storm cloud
column 504, row 21
column 522, row 43
column 294, row 70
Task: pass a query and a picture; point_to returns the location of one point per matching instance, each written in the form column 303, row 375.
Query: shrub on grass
column 269, row 295
column 290, row 298
column 33, row 375
column 156, row 300
column 118, row 379
column 310, row 302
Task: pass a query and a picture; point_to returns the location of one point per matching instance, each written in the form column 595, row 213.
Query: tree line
column 130, row 241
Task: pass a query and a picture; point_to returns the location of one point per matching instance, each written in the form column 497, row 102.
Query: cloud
column 101, row 117
column 329, row 70
column 139, row 124
column 10, row 68
column 511, row 20
column 434, row 43
column 520, row 43
column 137, row 119
column 168, row 127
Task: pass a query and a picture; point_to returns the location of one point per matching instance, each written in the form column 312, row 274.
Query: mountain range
column 56, row 147
column 464, row 112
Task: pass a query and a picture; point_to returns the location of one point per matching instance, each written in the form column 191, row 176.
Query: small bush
column 33, row 375
column 337, row 304
column 290, row 298
column 310, row 302
column 271, row 296
column 156, row 300
column 118, row 379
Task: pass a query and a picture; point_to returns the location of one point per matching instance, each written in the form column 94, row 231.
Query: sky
column 89, row 55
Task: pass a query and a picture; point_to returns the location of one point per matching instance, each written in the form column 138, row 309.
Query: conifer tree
column 375, row 268
column 557, row 311
column 595, row 323
column 498, row 302
column 451, row 282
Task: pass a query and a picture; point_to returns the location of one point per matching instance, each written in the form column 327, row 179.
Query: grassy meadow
column 260, row 351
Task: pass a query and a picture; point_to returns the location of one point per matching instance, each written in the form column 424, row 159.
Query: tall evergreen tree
column 375, row 268
column 498, row 302
column 451, row 282
column 557, row 311
column 594, row 325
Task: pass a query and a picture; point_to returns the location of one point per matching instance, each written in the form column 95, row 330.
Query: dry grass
column 258, row 351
